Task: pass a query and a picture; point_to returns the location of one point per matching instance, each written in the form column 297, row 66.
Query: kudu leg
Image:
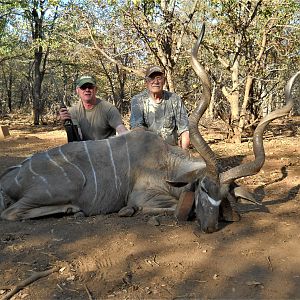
column 129, row 211
column 157, row 210
column 21, row 210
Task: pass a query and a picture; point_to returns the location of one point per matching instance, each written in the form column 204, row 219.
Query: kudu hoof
column 126, row 211
column 79, row 215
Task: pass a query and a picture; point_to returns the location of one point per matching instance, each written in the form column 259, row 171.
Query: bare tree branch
column 35, row 276
column 138, row 72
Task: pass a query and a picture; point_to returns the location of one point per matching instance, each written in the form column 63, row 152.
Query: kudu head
column 216, row 192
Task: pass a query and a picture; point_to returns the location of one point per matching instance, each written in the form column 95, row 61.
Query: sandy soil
column 106, row 257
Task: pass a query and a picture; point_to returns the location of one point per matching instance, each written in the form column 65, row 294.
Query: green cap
column 85, row 79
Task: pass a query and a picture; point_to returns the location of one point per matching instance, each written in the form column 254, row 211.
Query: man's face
column 155, row 82
column 87, row 92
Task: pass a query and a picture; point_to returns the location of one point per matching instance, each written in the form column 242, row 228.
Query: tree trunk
column 233, row 98
column 8, row 79
column 210, row 110
column 248, row 86
column 169, row 81
column 37, row 85
column 9, row 92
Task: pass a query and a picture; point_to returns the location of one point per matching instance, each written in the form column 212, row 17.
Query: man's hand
column 64, row 114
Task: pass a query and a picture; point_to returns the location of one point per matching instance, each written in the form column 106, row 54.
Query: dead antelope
column 137, row 170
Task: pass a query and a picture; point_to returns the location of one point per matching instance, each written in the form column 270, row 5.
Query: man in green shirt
column 97, row 119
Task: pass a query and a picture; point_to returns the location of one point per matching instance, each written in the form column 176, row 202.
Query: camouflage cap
column 154, row 69
column 85, row 79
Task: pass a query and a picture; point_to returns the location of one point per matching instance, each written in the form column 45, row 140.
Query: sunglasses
column 87, row 86
column 156, row 78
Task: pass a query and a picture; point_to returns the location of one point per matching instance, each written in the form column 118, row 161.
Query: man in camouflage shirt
column 160, row 111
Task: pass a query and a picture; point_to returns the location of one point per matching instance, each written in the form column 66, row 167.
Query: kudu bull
column 134, row 170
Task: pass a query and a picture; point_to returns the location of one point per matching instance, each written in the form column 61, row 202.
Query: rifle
column 70, row 128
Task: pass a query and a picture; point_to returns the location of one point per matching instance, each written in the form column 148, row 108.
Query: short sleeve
column 114, row 117
column 182, row 119
column 137, row 113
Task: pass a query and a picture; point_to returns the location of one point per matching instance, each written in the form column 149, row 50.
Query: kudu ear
column 187, row 172
column 241, row 192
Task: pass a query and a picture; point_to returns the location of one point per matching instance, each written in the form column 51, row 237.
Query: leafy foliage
column 247, row 42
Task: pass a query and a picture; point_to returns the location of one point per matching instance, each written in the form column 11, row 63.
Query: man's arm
column 137, row 114
column 184, row 140
column 115, row 119
column 182, row 122
column 121, row 129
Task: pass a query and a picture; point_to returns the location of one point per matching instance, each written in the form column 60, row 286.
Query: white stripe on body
column 58, row 166
column 28, row 158
column 66, row 159
column 129, row 165
column 93, row 171
column 2, row 205
column 42, row 178
column 117, row 181
column 16, row 177
column 19, row 166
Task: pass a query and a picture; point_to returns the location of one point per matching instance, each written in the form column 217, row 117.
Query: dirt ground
column 107, row 257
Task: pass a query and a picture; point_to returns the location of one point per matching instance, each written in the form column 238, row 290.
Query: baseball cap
column 154, row 69
column 85, row 79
